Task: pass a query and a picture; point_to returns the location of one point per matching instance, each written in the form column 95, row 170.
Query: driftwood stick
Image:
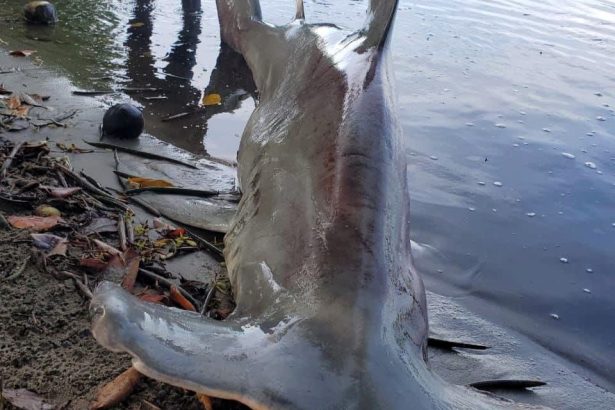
column 9, row 160
column 137, row 152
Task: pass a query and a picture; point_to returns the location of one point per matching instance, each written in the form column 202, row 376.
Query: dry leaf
column 46, row 210
column 133, row 260
column 21, row 111
column 116, row 390
column 153, row 298
column 4, row 91
column 137, row 24
column 149, row 183
column 22, row 53
column 31, row 99
column 176, row 233
column 63, row 192
column 73, row 149
column 107, row 248
column 101, row 225
column 13, row 102
column 34, row 223
column 160, row 225
column 51, row 244
column 181, row 300
column 93, row 264
column 212, row 99
column 205, row 401
column 25, row 399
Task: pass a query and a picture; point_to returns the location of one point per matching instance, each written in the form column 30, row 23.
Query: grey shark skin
column 330, row 312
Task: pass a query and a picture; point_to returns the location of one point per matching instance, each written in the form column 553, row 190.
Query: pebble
column 590, row 165
column 471, row 209
column 600, row 118
column 531, row 214
column 434, row 157
column 589, row 270
column 499, row 125
column 481, row 183
column 598, row 94
column 498, row 183
column 563, row 260
column 587, row 290
column 546, row 130
column 590, row 134
column 469, row 124
column 554, row 316
column 515, row 145
column 568, row 155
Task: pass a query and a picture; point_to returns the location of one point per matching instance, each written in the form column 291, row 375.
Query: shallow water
column 488, row 92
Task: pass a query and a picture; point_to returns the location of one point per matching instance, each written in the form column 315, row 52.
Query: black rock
column 40, row 12
column 123, row 121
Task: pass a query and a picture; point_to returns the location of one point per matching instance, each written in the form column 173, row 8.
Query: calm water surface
column 507, row 109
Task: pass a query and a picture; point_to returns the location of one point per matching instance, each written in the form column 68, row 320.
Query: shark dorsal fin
column 300, row 13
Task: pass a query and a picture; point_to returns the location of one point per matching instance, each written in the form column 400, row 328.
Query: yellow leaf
column 212, row 99
column 149, row 183
column 190, row 242
column 137, row 24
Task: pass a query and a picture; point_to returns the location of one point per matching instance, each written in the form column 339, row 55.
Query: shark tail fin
column 380, row 17
column 300, row 13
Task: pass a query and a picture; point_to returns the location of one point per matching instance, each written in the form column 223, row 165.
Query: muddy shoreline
column 46, row 345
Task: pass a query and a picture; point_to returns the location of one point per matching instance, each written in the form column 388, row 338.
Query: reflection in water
column 231, row 77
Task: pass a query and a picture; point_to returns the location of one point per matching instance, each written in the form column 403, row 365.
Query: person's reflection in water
column 231, row 78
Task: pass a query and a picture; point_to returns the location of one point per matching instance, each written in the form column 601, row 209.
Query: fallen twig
column 205, row 242
column 121, row 231
column 4, row 224
column 173, row 191
column 100, row 194
column 176, row 116
column 93, row 182
column 80, row 285
column 210, row 295
column 9, row 159
column 162, row 280
column 18, row 271
column 130, row 232
column 143, row 154
column 140, row 203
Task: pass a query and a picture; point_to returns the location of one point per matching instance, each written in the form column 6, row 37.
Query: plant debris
column 79, row 232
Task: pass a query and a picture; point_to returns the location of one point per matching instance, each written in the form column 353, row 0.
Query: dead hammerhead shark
column 330, row 312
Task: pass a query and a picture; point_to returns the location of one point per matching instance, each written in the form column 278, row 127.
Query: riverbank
column 46, row 345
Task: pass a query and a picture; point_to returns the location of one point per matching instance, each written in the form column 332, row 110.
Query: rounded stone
column 123, row 121
column 40, row 12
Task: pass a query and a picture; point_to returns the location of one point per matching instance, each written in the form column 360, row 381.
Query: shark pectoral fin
column 181, row 348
